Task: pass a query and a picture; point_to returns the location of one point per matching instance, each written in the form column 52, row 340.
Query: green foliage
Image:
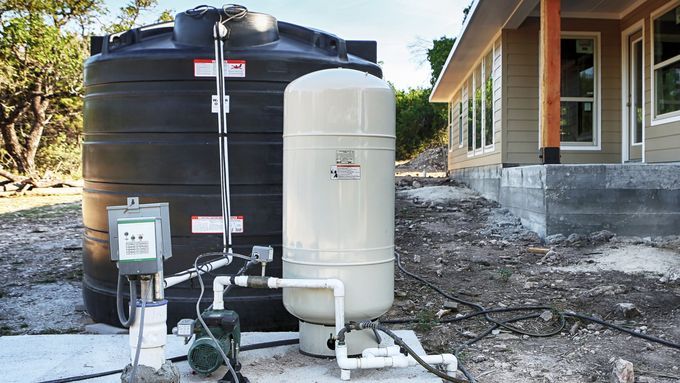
column 504, row 274
column 419, row 123
column 128, row 16
column 43, row 44
column 437, row 56
column 425, row 321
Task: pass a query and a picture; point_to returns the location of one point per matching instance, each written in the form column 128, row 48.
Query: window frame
column 480, row 64
column 597, row 97
column 666, row 117
column 461, row 142
column 449, row 114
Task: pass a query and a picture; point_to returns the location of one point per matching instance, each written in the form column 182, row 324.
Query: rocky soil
column 430, row 160
column 40, row 265
column 477, row 251
column 468, row 246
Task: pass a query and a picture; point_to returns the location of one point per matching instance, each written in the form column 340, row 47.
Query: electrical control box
column 139, row 237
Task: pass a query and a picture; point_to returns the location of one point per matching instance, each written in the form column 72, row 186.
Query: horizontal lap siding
column 662, row 142
column 458, row 157
column 520, row 56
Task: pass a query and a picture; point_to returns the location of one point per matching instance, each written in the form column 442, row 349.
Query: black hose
column 400, row 342
column 248, row 347
column 505, row 323
column 119, row 302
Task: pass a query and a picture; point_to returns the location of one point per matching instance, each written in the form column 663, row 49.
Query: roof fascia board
column 468, row 20
column 521, row 12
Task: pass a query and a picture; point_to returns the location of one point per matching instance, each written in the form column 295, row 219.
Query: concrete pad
column 36, row 358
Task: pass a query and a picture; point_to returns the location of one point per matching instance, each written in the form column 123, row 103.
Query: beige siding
column 458, row 157
column 662, row 142
column 521, row 92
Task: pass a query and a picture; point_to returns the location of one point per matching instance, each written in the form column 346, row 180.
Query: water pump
column 203, row 355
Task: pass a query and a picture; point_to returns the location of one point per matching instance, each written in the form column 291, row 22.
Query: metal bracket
column 132, row 203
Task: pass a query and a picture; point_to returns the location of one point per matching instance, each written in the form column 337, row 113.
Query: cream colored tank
column 338, row 200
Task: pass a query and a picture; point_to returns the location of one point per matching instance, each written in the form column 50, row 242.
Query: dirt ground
column 472, row 248
column 468, row 246
column 40, row 265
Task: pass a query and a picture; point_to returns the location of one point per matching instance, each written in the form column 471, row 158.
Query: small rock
column 601, row 236
column 441, row 313
column 530, row 285
column 416, row 184
column 416, row 258
column 546, row 315
column 574, row 239
column 574, row 328
column 627, row 310
column 453, row 306
column 478, row 358
column 672, row 275
column 622, row 372
column 400, row 293
column 469, row 334
column 555, row 239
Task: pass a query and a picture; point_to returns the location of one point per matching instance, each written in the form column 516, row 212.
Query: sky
column 395, row 24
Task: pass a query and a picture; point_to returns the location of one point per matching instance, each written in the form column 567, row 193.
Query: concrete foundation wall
column 630, row 199
column 485, row 180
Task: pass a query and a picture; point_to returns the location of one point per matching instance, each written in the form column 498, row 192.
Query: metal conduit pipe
column 371, row 358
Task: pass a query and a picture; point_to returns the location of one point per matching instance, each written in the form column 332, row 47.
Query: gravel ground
column 40, row 265
column 472, row 248
column 468, row 246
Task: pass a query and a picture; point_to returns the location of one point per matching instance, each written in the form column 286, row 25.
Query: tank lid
column 195, row 27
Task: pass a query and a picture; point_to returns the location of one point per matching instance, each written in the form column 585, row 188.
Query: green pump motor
column 203, row 355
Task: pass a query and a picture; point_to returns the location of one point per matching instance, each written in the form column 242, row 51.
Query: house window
column 470, row 117
column 460, row 123
column 579, row 122
column 667, row 63
column 488, row 99
column 479, row 98
column 450, row 116
column 478, row 106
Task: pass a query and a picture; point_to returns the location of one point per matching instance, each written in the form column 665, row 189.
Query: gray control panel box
column 139, row 237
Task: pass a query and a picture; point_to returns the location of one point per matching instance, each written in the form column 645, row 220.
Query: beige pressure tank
column 338, row 200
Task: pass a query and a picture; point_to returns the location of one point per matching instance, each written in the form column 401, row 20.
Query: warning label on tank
column 346, row 172
column 231, row 68
column 214, row 224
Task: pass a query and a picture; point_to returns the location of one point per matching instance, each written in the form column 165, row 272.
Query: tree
column 43, row 44
column 419, row 123
column 129, row 15
column 437, row 56
column 41, row 62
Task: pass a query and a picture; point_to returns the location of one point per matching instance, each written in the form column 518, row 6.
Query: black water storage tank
column 149, row 132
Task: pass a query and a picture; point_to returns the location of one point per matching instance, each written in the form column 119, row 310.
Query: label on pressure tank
column 231, row 68
column 345, row 172
column 214, row 224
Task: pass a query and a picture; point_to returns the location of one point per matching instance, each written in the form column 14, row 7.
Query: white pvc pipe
column 371, row 357
column 192, row 272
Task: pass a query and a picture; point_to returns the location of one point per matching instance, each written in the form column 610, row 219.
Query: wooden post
column 549, row 88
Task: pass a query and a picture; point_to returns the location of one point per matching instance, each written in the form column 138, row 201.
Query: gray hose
column 135, row 363
column 119, row 302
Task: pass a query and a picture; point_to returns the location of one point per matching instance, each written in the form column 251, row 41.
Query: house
column 568, row 112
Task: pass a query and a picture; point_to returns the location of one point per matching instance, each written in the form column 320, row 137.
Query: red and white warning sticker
column 346, row 172
column 231, row 68
column 214, row 224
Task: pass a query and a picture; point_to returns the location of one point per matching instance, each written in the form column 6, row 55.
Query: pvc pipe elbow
column 338, row 287
column 343, row 361
column 451, row 363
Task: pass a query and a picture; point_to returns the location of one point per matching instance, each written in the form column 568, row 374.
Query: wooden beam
column 549, row 88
